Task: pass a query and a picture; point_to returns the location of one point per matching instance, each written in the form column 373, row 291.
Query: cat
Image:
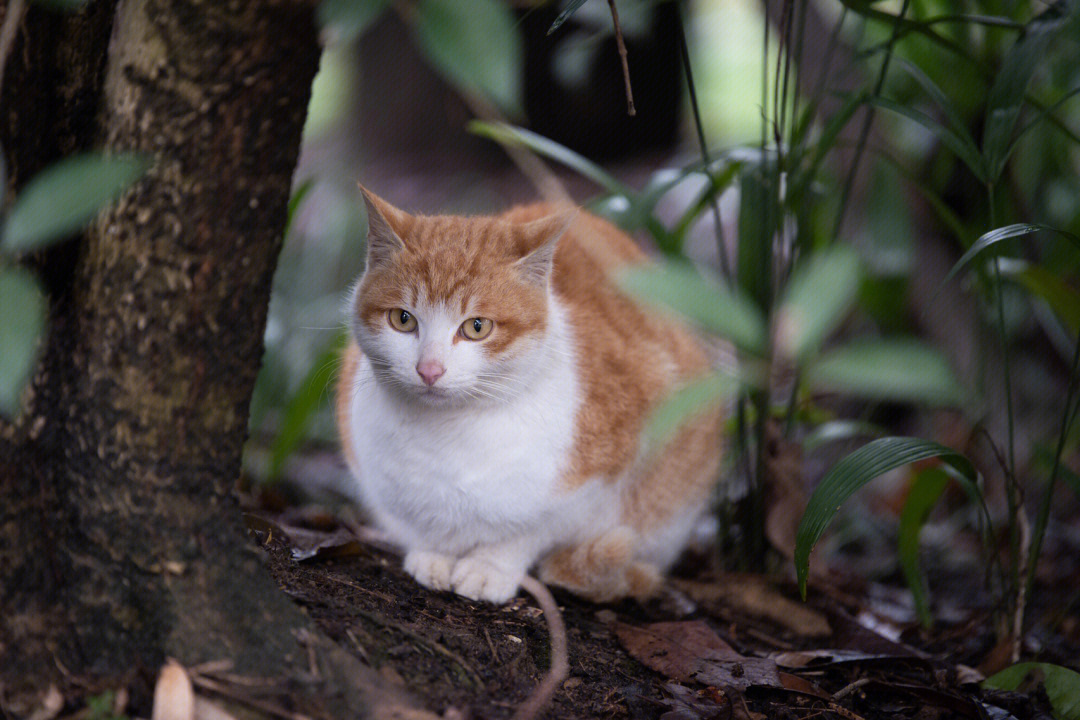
column 492, row 399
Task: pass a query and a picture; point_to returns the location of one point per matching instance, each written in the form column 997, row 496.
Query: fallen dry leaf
column 753, row 595
column 690, row 650
column 174, row 698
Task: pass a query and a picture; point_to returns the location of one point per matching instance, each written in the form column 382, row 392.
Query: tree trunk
column 120, row 536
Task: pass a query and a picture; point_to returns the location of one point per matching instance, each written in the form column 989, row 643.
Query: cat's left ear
column 543, row 237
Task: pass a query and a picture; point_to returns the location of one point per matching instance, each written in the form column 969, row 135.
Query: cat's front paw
column 432, row 570
column 480, row 580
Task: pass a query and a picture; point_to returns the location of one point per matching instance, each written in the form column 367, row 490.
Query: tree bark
column 121, row 539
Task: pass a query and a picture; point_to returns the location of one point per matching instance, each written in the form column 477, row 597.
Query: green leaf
column 349, row 19
column 962, row 147
column 899, row 370
column 510, row 135
column 296, row 201
column 1001, row 234
column 677, row 286
column 1062, row 685
column 922, row 497
column 952, row 115
column 855, row 471
column 819, row 294
column 804, row 176
column 21, row 323
column 685, row 403
column 302, row 406
column 1006, row 97
column 64, row 197
column 475, row 44
column 571, row 8
column 1062, row 299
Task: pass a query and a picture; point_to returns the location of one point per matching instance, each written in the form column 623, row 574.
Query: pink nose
column 430, row 371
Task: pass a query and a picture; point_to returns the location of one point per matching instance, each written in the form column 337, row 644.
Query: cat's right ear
column 384, row 223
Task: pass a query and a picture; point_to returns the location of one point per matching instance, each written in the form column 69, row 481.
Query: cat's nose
column 430, row 370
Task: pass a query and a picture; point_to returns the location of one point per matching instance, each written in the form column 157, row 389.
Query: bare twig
column 1017, row 635
column 12, row 17
column 267, row 707
column 560, row 663
column 630, row 110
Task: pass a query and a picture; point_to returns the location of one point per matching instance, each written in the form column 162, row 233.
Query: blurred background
column 853, row 152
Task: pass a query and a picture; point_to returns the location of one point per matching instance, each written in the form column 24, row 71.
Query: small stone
column 606, row 616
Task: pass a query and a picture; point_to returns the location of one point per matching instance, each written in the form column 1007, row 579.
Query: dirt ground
column 713, row 645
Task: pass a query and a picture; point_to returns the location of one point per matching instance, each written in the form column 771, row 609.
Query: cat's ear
column 542, row 236
column 385, row 225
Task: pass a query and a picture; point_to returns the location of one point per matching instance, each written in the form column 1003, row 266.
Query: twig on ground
column 630, row 110
column 12, row 17
column 850, row 688
column 560, row 662
column 262, row 705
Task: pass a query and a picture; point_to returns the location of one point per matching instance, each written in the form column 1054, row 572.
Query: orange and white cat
column 492, row 399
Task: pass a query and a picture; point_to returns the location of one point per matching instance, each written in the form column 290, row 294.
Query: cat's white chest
column 452, row 479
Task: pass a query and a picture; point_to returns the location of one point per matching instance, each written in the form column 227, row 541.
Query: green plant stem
column 1044, row 508
column 1011, row 494
column 721, row 246
column 864, row 131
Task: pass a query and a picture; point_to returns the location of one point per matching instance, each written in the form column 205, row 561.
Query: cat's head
column 452, row 310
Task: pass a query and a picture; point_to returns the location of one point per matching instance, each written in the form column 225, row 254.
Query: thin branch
column 12, row 17
column 560, row 663
column 622, row 56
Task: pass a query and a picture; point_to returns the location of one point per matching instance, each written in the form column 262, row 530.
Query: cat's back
column 628, row 357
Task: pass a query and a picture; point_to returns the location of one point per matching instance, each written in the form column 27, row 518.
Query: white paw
column 432, row 570
column 480, row 580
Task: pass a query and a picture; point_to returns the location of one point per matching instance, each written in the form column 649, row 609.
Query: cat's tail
column 602, row 569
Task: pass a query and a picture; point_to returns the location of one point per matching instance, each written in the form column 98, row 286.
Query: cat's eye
column 402, row 320
column 476, row 328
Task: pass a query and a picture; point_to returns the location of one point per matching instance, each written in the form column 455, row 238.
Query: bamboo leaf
column 571, row 8
column 837, row 430
column 899, row 370
column 64, row 197
column 923, row 496
column 510, row 135
column 21, row 323
column 853, row 472
column 295, row 202
column 820, row 292
column 678, row 287
column 1006, row 97
column 964, row 149
column 1062, row 685
column 952, row 115
column 1062, row 299
column 685, row 403
column 759, row 217
column 475, row 44
column 1001, row 234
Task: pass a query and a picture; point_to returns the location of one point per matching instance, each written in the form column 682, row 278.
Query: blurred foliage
column 54, row 204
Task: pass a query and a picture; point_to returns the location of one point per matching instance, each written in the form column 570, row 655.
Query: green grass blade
column 853, row 472
column 476, row 45
column 300, row 410
column 1006, row 97
column 923, row 496
column 1001, row 234
column 295, row 202
column 963, row 148
column 684, row 404
column 510, row 135
column 819, row 294
column 899, row 370
column 64, row 197
column 22, row 322
column 1045, row 113
column 571, row 8
column 679, row 287
column 759, row 218
column 1062, row 685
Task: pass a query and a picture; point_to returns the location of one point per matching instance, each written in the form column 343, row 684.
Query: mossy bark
column 121, row 539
